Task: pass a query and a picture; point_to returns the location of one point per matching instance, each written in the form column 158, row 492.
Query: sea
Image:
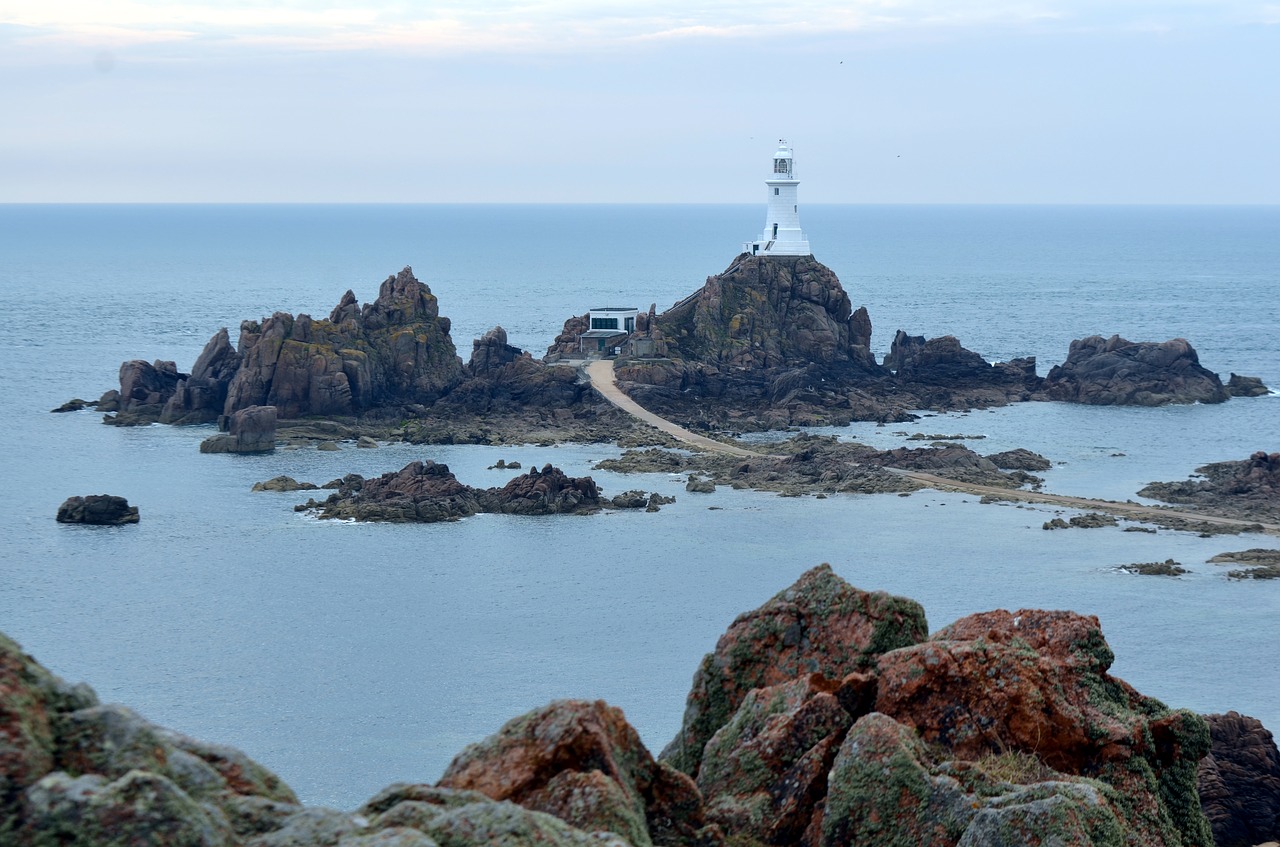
column 349, row 656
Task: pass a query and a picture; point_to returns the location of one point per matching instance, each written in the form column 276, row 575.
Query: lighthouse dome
column 783, row 161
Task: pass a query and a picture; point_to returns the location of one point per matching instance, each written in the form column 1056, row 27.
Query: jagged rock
column 1249, row 489
column 769, row 312
column 1246, row 386
column 251, row 430
column 1240, row 781
column 101, row 509
column 820, row 624
column 396, row 349
column 944, row 361
column 566, row 343
column 202, row 396
column 74, row 405
column 583, row 763
column 1115, row 372
column 491, row 351
column 764, row 771
column 146, row 387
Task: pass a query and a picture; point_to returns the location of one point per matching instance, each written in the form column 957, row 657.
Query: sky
column 598, row 101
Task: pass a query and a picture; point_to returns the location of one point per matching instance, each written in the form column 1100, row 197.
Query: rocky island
column 769, row 343
column 828, row 717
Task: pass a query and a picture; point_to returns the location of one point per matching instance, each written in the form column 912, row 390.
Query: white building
column 608, row 329
column 782, row 235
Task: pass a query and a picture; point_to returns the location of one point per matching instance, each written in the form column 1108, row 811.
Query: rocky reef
column 1115, row 372
column 827, row 717
column 428, row 492
column 821, row 464
column 1248, row 489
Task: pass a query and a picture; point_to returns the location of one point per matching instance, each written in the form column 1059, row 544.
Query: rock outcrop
column 396, row 350
column 428, row 492
column 145, row 388
column 1249, row 489
column 938, row 367
column 1240, row 781
column 1115, row 372
column 1002, row 728
column 202, row 396
column 100, row 509
column 1246, row 386
column 249, row 430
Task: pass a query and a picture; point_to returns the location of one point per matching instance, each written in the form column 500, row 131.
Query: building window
column 604, row 323
column 782, row 166
column 775, row 192
column 629, row 325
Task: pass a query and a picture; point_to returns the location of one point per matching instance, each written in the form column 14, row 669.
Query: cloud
column 558, row 25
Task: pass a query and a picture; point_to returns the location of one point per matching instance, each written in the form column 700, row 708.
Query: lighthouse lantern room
column 782, row 235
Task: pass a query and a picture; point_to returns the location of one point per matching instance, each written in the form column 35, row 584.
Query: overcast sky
column 884, row 101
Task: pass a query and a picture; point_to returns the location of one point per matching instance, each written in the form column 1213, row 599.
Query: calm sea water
column 349, row 656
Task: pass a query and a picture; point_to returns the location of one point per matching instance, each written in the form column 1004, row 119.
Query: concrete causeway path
column 602, row 378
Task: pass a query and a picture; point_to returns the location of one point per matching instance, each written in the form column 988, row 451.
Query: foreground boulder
column 101, row 509
column 1001, row 729
column 583, row 763
column 819, row 625
column 1240, row 781
column 1115, row 372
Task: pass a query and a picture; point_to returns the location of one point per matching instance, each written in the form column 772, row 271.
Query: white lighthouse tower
column 782, row 235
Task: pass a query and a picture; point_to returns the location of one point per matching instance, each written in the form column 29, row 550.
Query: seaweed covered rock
column 1240, row 781
column 583, row 763
column 821, row 624
column 1115, row 372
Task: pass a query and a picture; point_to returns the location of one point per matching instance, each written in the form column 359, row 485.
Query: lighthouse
column 782, row 235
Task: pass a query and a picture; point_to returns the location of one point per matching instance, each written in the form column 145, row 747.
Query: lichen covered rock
column 819, row 625
column 582, row 762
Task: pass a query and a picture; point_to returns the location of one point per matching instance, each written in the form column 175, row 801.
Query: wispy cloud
column 559, row 24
